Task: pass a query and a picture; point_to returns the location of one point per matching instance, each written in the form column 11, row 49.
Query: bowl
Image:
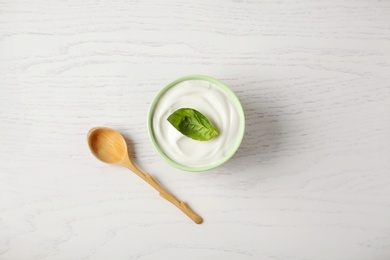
column 214, row 100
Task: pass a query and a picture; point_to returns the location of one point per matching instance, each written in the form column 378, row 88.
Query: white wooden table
column 311, row 179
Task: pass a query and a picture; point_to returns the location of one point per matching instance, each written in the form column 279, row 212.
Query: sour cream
column 218, row 104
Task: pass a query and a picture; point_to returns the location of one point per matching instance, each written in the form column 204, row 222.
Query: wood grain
column 311, row 179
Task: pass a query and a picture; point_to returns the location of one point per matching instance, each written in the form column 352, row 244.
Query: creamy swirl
column 212, row 101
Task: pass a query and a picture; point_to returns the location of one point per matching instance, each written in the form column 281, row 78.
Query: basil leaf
column 192, row 124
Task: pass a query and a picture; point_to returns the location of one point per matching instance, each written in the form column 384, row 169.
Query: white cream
column 212, row 101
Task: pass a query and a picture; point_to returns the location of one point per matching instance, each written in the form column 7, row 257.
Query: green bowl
column 228, row 92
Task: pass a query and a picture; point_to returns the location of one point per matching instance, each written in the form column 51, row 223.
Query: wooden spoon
column 109, row 146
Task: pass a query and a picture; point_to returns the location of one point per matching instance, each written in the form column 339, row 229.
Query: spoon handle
column 169, row 197
column 165, row 194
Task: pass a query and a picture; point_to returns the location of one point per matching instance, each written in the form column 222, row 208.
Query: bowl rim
column 228, row 91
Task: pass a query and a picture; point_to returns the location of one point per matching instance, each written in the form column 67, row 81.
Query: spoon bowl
column 109, row 146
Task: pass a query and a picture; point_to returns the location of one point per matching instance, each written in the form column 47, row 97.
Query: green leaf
column 192, row 124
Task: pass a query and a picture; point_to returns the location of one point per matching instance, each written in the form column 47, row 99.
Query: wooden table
column 311, row 179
